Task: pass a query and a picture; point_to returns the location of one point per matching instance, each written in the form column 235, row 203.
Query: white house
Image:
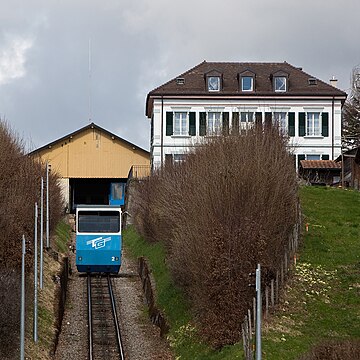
column 229, row 97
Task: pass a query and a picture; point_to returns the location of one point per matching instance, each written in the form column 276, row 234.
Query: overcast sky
column 138, row 45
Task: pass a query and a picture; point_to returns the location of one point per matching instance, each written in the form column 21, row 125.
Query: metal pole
column 41, row 231
column 47, row 205
column 258, row 313
column 35, row 272
column 22, row 315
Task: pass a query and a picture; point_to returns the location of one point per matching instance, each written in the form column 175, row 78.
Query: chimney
column 333, row 81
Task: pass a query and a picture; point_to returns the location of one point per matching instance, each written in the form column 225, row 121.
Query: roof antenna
column 89, row 80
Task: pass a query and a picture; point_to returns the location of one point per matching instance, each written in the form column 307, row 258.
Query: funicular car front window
column 99, row 221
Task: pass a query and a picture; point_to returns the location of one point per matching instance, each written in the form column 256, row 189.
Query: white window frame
column 280, row 87
column 210, row 83
column 178, row 158
column 280, row 118
column 251, row 83
column 247, row 119
column 213, row 123
column 181, row 123
column 313, row 124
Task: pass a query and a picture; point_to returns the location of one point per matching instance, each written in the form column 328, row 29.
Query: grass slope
column 321, row 301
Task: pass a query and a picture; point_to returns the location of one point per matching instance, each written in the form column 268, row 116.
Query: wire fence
column 270, row 292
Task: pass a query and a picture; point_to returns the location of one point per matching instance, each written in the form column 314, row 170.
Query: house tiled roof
column 320, row 164
column 193, row 82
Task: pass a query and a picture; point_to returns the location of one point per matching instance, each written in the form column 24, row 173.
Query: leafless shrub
column 229, row 206
column 334, row 350
column 19, row 190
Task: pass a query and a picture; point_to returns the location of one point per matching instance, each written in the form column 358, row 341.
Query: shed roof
column 320, row 164
column 90, row 126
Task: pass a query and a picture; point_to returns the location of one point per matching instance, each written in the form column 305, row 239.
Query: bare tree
column 351, row 112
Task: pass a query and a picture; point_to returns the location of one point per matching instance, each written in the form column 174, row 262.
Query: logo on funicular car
column 98, row 243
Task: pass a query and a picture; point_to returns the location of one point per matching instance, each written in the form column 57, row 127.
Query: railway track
column 104, row 332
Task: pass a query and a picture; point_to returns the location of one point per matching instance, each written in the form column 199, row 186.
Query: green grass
column 63, row 235
column 322, row 300
column 330, row 260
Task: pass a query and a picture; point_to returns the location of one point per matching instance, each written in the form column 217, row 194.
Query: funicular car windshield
column 99, row 221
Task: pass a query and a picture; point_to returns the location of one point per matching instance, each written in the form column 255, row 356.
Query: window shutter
column 192, row 124
column 302, row 125
column 169, row 123
column 300, row 157
column 325, row 157
column 268, row 119
column 258, row 118
column 202, row 123
column 235, row 123
column 291, row 118
column 325, row 124
column 225, row 125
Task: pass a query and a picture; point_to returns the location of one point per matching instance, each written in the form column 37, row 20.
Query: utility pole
column 48, row 167
column 41, row 231
column 258, row 313
column 22, row 314
column 35, row 272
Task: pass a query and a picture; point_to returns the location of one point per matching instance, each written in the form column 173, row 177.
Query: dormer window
column 213, row 83
column 247, row 83
column 280, row 83
column 247, row 80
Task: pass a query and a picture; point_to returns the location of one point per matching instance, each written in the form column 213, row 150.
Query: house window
column 213, row 123
column 313, row 126
column 280, row 83
column 246, row 120
column 178, row 158
column 181, row 123
column 281, row 121
column 312, row 157
column 213, row 83
column 247, row 83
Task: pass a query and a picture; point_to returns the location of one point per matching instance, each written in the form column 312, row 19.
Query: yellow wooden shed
column 88, row 160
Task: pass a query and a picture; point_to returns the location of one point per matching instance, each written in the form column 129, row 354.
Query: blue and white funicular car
column 98, row 238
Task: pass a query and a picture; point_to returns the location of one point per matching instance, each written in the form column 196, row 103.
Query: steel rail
column 116, row 322
column 90, row 331
column 114, row 316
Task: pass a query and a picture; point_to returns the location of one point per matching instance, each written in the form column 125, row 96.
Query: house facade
column 227, row 98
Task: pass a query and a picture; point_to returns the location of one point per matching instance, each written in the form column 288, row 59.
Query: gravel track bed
column 141, row 339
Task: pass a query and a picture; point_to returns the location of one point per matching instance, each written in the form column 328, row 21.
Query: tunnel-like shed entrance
column 92, row 191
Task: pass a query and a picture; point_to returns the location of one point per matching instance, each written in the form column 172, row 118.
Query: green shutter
column 300, row 157
column 268, row 119
column 302, row 125
column 258, row 119
column 202, row 123
column 169, row 123
column 192, row 124
column 225, row 124
column 325, row 157
column 325, row 124
column 235, row 123
column 291, row 130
